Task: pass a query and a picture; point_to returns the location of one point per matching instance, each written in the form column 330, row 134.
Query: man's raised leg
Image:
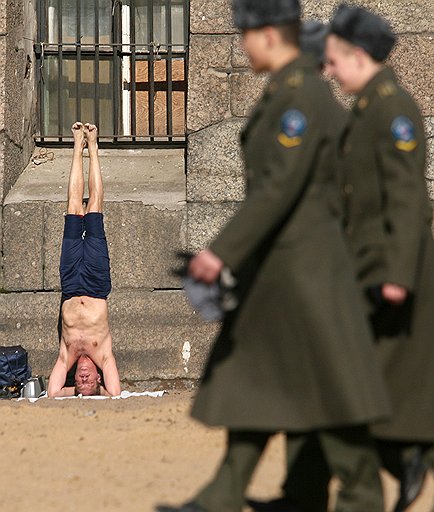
column 76, row 179
column 96, row 191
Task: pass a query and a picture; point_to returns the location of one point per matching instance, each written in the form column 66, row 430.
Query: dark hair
column 290, row 32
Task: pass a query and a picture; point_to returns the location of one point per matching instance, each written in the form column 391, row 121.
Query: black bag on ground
column 14, row 370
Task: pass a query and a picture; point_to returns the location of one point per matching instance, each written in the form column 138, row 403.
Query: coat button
column 348, row 189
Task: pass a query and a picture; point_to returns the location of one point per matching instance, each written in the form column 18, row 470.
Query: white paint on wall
column 186, row 352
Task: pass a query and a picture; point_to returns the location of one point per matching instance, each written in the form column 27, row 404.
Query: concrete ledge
column 148, row 176
column 151, row 332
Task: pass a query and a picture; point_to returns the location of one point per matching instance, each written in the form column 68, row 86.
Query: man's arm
column 285, row 169
column 111, row 376
column 58, row 376
column 402, row 168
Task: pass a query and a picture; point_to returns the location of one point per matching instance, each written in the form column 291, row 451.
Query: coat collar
column 292, row 74
column 382, row 84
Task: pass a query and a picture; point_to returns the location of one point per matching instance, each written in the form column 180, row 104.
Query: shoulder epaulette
column 386, row 89
column 295, row 79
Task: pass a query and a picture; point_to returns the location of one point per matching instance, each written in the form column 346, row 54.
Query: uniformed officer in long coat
column 388, row 220
column 297, row 354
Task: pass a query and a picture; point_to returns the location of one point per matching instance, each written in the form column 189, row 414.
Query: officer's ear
column 361, row 56
column 271, row 35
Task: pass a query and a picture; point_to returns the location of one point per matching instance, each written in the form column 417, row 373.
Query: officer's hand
column 206, row 266
column 394, row 294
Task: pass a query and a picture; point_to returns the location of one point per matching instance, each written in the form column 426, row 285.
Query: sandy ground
column 120, row 456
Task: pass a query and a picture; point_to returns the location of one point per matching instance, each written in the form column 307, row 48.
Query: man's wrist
column 93, row 150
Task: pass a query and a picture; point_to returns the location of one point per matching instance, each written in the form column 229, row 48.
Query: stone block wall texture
column 222, row 91
column 142, row 244
column 17, row 89
column 156, row 334
column 17, row 92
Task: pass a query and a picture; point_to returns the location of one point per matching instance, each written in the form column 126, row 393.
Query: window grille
column 119, row 64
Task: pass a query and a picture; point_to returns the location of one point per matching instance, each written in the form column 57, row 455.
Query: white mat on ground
column 124, row 394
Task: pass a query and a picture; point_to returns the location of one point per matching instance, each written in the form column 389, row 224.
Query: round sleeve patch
column 293, row 124
column 404, row 133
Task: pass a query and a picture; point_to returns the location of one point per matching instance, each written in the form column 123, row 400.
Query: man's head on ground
column 359, row 43
column 269, row 29
column 87, row 378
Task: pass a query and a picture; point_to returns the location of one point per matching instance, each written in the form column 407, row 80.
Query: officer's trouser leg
column 429, row 456
column 306, row 484
column 352, row 456
column 226, row 491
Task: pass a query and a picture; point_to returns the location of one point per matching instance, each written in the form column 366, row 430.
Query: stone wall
column 222, row 91
column 17, row 89
column 17, row 93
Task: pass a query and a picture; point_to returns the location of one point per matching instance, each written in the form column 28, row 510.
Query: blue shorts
column 85, row 262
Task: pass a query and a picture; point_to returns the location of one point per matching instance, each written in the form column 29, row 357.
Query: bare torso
column 85, row 335
column 85, row 329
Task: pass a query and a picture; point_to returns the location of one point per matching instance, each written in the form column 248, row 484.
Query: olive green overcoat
column 297, row 353
column 388, row 225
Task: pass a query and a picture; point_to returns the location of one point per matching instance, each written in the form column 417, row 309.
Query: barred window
column 119, row 64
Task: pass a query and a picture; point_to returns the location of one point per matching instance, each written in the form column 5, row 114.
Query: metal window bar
column 151, row 62
column 60, row 68
column 39, row 75
column 78, row 63
column 113, row 52
column 116, row 68
column 96, row 64
column 169, row 75
column 133, row 83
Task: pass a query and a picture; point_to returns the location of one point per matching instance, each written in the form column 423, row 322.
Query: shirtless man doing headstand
column 85, row 281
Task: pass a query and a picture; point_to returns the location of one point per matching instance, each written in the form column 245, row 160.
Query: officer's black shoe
column 187, row 507
column 277, row 505
column 413, row 477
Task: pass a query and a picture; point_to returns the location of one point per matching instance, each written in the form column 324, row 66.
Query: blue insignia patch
column 404, row 133
column 293, row 125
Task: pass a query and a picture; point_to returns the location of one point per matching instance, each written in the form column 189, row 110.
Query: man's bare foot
column 91, row 134
column 78, row 133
